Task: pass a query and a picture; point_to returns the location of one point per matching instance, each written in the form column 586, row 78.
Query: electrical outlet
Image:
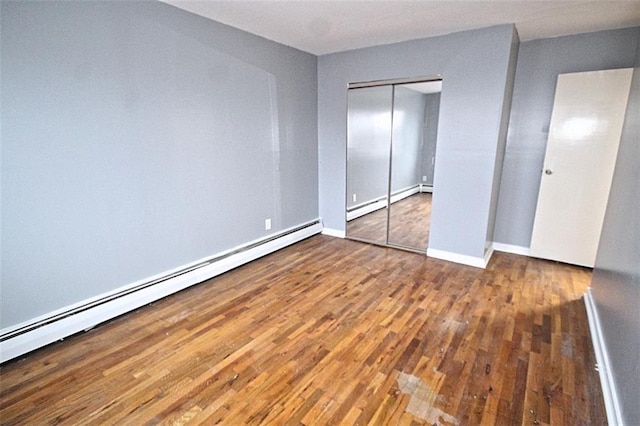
column 424, row 178
column 354, row 198
column 267, row 224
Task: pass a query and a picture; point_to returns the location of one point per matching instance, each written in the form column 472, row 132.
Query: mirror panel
column 432, row 115
column 406, row 147
column 391, row 145
column 413, row 148
column 368, row 151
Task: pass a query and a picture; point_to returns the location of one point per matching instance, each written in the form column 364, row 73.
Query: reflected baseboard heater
column 371, row 206
column 426, row 188
column 22, row 338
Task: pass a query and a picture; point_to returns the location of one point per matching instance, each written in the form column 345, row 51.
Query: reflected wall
column 369, row 133
column 388, row 129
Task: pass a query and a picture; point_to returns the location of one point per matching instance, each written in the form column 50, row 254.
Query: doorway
column 391, row 150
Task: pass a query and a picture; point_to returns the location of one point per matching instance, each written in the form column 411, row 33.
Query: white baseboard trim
column 33, row 334
column 333, row 232
column 478, row 262
column 508, row 248
column 611, row 401
column 487, row 254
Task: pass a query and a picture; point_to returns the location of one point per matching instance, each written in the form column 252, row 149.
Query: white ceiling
column 321, row 27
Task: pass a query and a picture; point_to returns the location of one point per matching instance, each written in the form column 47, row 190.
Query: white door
column 586, row 124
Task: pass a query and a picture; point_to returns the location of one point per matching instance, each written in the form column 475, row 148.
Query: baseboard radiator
column 367, row 207
column 26, row 337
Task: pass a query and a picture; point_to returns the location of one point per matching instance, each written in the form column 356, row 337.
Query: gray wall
column 136, row 138
column 475, row 67
column 539, row 63
column 432, row 112
column 369, row 133
column 408, row 129
column 502, row 138
column 616, row 277
column 369, row 137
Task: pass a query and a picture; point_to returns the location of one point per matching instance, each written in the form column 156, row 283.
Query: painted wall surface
column 502, row 138
column 408, row 129
column 369, row 133
column 370, row 136
column 137, row 138
column 432, row 112
column 616, row 277
column 539, row 63
column 474, row 65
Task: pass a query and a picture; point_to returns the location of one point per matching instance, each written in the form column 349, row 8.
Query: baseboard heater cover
column 18, row 340
column 426, row 188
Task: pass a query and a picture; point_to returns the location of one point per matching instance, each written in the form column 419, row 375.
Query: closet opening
column 392, row 130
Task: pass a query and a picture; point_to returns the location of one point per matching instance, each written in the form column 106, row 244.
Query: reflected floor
column 408, row 225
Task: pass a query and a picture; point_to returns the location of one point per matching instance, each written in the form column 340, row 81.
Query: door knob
column 548, row 172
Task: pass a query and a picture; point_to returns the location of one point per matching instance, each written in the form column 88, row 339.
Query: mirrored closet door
column 391, row 144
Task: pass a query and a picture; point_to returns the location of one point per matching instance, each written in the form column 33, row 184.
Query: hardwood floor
column 410, row 221
column 408, row 225
column 371, row 227
column 330, row 331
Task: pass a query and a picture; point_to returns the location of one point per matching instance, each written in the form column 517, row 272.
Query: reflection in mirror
column 391, row 144
column 368, row 150
column 415, row 121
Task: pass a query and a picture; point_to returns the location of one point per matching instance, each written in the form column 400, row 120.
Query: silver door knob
column 548, row 172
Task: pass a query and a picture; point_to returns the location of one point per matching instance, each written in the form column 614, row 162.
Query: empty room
column 319, row 212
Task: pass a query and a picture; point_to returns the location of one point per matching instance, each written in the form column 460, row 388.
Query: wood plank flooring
column 325, row 332
column 409, row 223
